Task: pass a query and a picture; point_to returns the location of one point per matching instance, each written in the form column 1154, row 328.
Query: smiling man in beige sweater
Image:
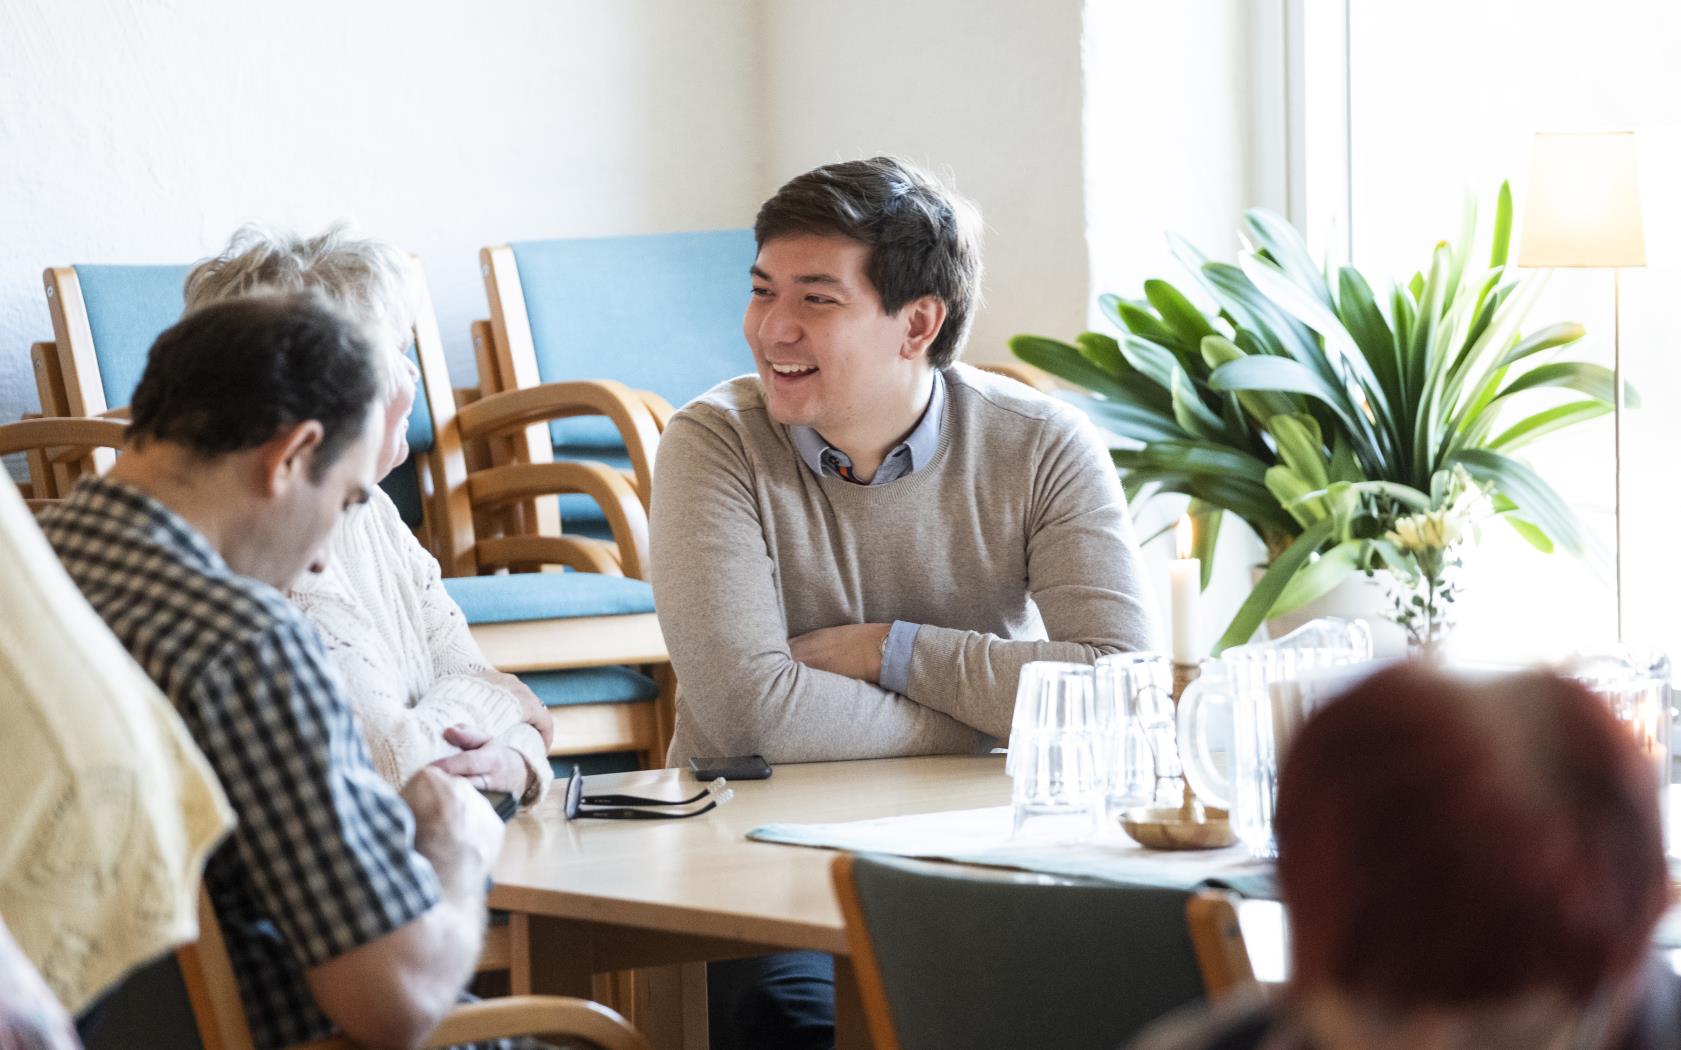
column 856, row 549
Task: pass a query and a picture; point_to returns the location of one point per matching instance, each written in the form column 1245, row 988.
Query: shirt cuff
column 896, row 658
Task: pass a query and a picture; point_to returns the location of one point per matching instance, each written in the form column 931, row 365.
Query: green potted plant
column 1351, row 431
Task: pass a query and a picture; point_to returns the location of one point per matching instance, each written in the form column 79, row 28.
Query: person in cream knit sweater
column 421, row 689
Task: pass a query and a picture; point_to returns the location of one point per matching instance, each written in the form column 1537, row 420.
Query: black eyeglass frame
column 626, row 807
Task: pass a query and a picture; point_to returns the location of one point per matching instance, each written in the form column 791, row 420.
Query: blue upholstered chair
column 586, row 641
column 948, row 956
column 656, row 317
column 105, row 318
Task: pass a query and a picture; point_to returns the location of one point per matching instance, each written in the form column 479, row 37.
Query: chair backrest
column 105, row 319
column 948, row 956
column 55, row 442
column 658, row 312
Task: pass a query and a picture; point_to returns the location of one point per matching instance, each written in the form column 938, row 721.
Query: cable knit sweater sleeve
column 409, row 666
column 462, row 676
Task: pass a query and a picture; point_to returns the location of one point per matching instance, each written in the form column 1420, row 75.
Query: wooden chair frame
column 467, row 497
column 866, row 969
column 68, row 381
column 54, row 443
column 1211, row 918
column 219, row 1013
column 1217, row 936
column 67, row 370
column 639, row 415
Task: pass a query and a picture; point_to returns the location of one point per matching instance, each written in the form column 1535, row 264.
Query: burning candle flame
column 1185, row 537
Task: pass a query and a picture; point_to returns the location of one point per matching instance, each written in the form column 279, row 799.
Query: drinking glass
column 1133, row 704
column 1267, row 690
column 1056, row 785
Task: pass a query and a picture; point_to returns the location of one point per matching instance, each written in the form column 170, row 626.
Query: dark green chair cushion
column 987, row 960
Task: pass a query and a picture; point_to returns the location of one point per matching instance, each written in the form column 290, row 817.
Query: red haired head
column 1453, row 842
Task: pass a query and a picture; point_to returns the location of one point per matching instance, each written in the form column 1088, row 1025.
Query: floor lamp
column 1583, row 212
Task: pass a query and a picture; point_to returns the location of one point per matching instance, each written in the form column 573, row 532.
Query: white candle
column 1185, row 584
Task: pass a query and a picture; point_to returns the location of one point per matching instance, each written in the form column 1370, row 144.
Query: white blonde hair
column 367, row 278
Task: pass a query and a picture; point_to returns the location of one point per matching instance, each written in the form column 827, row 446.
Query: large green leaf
column 1554, row 335
column 1299, row 498
column 1365, row 324
column 1261, row 600
column 1136, row 318
column 1190, row 412
column 1128, row 420
column 1066, row 362
column 1596, row 381
column 1152, row 360
column 1502, row 227
column 1260, row 404
column 1320, row 575
column 1534, row 498
column 1271, row 232
column 1546, row 422
column 1274, row 373
column 1177, row 312
column 1301, row 447
column 1104, row 352
column 1205, row 537
column 1199, row 457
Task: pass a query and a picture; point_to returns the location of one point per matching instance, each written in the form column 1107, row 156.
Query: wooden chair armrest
column 536, row 1015
column 508, row 410
column 659, row 408
column 1217, row 937
column 498, row 486
column 75, row 432
column 539, row 1015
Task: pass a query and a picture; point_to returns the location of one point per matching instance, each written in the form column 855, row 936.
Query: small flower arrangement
column 1424, row 553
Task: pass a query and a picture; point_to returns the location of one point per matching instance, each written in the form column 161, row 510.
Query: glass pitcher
column 1637, row 687
column 1266, row 690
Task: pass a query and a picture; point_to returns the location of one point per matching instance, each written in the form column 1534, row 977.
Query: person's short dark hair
column 234, row 374
column 1447, row 842
column 923, row 239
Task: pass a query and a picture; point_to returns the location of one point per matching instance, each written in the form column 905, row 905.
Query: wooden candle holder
column 1190, row 825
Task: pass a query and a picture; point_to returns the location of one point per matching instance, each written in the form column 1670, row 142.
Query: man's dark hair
column 234, row 374
column 923, row 239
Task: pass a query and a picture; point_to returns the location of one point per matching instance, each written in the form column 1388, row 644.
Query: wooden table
column 595, row 896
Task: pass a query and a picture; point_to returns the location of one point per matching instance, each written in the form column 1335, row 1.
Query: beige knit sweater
column 409, row 667
column 1013, row 533
column 110, row 810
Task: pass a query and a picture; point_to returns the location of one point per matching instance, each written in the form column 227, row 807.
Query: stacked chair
column 586, row 641
column 656, row 317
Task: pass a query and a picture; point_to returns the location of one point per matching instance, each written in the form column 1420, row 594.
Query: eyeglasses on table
column 636, row 807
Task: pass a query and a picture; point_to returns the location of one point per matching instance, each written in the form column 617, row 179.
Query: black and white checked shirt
column 323, row 858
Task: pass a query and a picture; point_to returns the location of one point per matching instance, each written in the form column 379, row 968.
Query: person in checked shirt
column 347, row 906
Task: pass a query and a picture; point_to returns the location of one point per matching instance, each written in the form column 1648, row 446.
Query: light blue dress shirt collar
column 909, row 455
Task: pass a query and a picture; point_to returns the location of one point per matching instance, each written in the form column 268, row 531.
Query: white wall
column 986, row 92
column 137, row 131
column 1169, row 149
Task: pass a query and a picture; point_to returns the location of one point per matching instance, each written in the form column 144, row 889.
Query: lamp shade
column 1584, row 202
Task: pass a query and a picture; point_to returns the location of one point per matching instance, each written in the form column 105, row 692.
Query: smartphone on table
column 505, row 804
column 731, row 767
